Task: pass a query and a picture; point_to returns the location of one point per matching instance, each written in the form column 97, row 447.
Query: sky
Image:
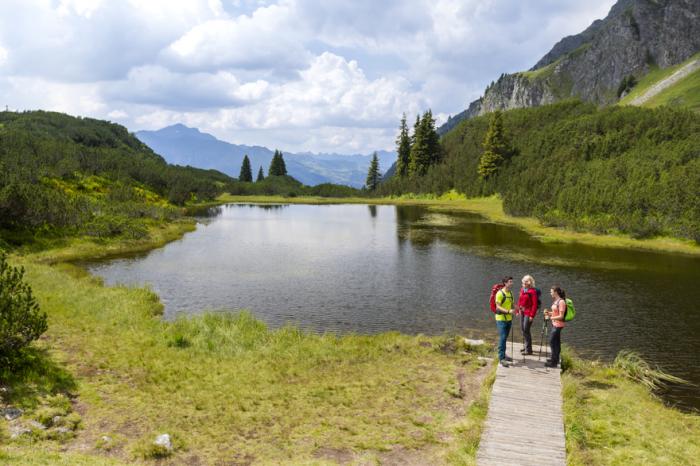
column 299, row 75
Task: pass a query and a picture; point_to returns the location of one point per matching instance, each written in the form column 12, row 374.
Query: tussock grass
column 230, row 389
column 633, row 366
column 612, row 417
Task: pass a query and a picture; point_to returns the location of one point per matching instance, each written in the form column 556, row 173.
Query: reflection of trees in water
column 372, row 210
column 268, row 206
column 204, row 211
column 409, row 228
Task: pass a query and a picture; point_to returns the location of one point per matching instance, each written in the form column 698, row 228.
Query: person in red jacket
column 527, row 308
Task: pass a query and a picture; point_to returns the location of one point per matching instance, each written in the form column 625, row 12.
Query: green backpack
column 570, row 312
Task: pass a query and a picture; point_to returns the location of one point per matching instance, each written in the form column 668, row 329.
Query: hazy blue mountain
column 183, row 145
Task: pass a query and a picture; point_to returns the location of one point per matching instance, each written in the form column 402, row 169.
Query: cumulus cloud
column 295, row 74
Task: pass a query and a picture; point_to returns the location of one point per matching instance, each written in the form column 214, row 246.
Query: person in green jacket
column 504, row 318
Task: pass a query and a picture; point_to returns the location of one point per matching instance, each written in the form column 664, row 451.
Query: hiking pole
column 512, row 339
column 544, row 324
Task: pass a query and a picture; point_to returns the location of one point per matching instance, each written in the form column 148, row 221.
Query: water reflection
column 335, row 268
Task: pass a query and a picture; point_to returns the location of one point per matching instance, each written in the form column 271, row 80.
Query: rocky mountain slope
column 635, row 37
column 182, row 145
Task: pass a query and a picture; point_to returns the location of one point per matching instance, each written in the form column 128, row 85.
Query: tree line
column 618, row 169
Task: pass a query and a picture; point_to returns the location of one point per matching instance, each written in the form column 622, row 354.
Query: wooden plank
column 525, row 422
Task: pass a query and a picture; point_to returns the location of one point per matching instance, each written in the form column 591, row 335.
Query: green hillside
column 684, row 93
column 61, row 175
column 619, row 169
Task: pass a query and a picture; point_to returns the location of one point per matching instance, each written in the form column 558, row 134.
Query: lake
column 367, row 269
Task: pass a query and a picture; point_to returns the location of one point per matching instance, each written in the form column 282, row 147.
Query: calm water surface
column 367, row 269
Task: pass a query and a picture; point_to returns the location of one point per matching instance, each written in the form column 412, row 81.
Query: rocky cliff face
column 635, row 35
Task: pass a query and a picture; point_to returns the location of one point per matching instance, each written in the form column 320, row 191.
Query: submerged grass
column 230, row 389
column 492, row 209
column 612, row 417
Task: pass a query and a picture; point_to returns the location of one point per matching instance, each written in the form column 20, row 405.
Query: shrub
column 21, row 319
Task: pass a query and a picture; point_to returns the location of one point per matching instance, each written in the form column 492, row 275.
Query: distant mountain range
column 183, row 145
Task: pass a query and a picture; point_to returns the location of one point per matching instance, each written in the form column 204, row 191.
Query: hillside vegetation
column 61, row 175
column 619, row 169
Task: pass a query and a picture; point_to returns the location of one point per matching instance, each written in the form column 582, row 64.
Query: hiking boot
column 508, row 358
column 550, row 364
column 504, row 363
column 526, row 352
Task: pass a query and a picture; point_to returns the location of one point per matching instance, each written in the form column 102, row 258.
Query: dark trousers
column 555, row 344
column 503, row 331
column 525, row 324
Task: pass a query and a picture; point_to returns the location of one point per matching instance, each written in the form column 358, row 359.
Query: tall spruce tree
column 246, row 172
column 277, row 166
column 432, row 138
column 261, row 175
column 496, row 147
column 403, row 149
column 373, row 175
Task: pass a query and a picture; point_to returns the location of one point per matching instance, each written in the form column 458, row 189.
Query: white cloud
column 267, row 39
column 295, row 74
column 156, row 85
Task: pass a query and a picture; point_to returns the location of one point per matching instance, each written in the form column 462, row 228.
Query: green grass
column 613, row 419
column 654, row 75
column 685, row 93
column 492, row 208
column 230, row 389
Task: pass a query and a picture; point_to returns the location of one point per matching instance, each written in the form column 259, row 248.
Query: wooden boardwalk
column 525, row 423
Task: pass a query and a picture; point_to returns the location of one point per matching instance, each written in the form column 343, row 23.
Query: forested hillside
column 619, row 169
column 65, row 175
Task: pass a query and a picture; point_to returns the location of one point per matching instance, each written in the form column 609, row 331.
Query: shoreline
column 492, row 209
column 156, row 354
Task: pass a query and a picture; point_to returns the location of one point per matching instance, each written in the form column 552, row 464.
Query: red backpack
column 492, row 301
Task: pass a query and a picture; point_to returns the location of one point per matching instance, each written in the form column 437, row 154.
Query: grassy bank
column 611, row 418
column 229, row 389
column 492, row 208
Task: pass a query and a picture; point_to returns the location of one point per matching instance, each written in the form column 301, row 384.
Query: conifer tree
column 496, row 147
column 246, row 172
column 403, row 149
column 277, row 166
column 261, row 175
column 432, row 138
column 373, row 175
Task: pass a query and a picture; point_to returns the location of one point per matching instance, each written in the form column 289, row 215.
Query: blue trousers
column 503, row 331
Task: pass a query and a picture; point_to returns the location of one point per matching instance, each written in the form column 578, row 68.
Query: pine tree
column 373, row 175
column 403, row 149
column 261, row 175
column 432, row 138
column 246, row 174
column 420, row 152
column 277, row 166
column 496, row 147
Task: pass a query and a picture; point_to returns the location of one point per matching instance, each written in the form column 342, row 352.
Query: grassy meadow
column 227, row 388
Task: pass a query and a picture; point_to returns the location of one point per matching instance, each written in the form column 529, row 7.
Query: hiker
column 556, row 315
column 528, row 303
column 504, row 318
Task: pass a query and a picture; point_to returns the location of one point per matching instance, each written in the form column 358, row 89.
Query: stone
column 37, row 425
column 163, row 440
column 57, row 420
column 474, row 342
column 17, row 430
column 11, row 413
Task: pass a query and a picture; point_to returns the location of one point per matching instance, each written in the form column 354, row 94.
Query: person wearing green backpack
column 557, row 314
